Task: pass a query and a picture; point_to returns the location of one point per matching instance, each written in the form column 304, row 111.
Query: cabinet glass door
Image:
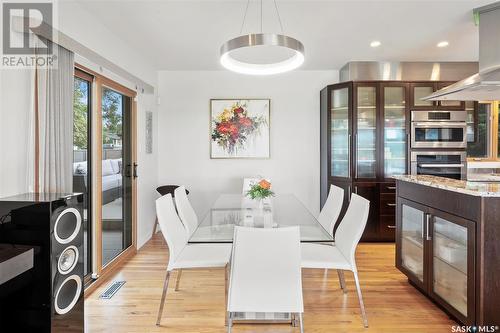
column 412, row 241
column 394, row 131
column 420, row 92
column 366, row 142
column 450, row 263
column 340, row 133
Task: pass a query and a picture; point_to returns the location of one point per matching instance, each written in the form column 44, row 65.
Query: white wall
column 184, row 133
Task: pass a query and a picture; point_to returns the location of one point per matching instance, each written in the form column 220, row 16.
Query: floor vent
column 112, row 289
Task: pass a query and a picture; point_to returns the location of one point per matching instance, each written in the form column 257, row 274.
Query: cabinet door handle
column 391, row 187
column 391, row 226
column 349, row 154
column 427, row 223
column 391, row 204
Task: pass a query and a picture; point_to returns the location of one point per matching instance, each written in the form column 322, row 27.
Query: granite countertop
column 481, row 189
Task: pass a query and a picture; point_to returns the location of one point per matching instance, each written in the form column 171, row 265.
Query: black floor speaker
column 49, row 297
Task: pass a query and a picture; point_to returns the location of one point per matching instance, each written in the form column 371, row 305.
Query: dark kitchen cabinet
column 365, row 142
column 446, row 246
column 419, row 90
column 436, row 251
column 369, row 191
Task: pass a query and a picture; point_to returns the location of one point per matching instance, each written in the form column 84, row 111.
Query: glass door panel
column 420, row 92
column 116, row 174
column 450, row 263
column 340, row 133
column 471, row 121
column 366, row 115
column 82, row 160
column 412, row 242
column 394, row 131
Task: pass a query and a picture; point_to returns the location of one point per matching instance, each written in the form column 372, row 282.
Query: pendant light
column 295, row 47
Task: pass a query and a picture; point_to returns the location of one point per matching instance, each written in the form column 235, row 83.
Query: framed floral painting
column 239, row 128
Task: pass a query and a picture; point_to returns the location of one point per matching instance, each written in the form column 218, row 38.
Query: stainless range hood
column 484, row 85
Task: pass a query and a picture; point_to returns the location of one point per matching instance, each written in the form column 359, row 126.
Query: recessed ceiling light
column 375, row 43
column 443, row 44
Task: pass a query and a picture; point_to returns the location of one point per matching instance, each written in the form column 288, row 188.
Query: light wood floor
column 392, row 305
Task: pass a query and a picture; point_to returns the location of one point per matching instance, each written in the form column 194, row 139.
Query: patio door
column 105, row 170
column 117, row 172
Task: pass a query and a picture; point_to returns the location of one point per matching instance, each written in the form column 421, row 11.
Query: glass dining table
column 283, row 210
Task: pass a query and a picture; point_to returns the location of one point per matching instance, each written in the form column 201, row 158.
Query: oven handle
column 441, row 165
column 442, row 125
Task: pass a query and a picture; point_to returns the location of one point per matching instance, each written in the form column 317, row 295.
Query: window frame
column 82, row 75
column 492, row 139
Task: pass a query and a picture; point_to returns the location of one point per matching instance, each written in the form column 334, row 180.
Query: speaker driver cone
column 68, row 260
column 67, row 225
column 67, row 295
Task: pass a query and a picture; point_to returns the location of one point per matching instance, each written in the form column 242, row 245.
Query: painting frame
column 268, row 129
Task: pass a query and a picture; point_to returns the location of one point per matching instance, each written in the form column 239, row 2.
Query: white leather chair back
column 249, row 182
column 185, row 210
column 351, row 227
column 331, row 210
column 265, row 271
column 171, row 227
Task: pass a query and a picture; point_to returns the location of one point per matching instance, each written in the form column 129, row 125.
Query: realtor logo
column 20, row 20
column 27, row 28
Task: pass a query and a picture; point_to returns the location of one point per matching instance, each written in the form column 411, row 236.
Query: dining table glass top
column 283, row 210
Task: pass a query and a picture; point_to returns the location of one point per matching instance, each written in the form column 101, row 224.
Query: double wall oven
column 438, row 143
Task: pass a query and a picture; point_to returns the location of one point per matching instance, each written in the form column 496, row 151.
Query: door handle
column 427, row 223
column 128, row 171
column 391, row 187
column 391, row 204
column 391, row 226
column 437, row 165
column 135, row 170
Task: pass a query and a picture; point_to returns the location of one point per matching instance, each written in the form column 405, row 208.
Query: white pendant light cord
column 279, row 17
column 261, row 17
column 244, row 17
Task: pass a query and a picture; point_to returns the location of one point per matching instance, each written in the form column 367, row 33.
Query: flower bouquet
column 234, row 126
column 260, row 191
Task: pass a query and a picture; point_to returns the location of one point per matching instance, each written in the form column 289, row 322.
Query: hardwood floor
column 392, row 305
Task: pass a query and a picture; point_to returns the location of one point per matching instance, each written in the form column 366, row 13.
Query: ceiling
column 187, row 35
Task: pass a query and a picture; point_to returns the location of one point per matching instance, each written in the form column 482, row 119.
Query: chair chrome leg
column 360, row 297
column 342, row 280
column 226, row 290
column 301, row 318
column 230, row 322
column 163, row 296
column 179, row 273
column 154, row 227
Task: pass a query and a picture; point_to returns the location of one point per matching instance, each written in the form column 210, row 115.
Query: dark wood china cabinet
column 364, row 142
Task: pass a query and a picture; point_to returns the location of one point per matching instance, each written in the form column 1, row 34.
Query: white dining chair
column 267, row 277
column 328, row 217
column 341, row 256
column 331, row 209
column 248, row 182
column 188, row 218
column 181, row 254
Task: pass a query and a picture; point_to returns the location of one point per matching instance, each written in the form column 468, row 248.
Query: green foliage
column 258, row 192
column 80, row 114
column 111, row 115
